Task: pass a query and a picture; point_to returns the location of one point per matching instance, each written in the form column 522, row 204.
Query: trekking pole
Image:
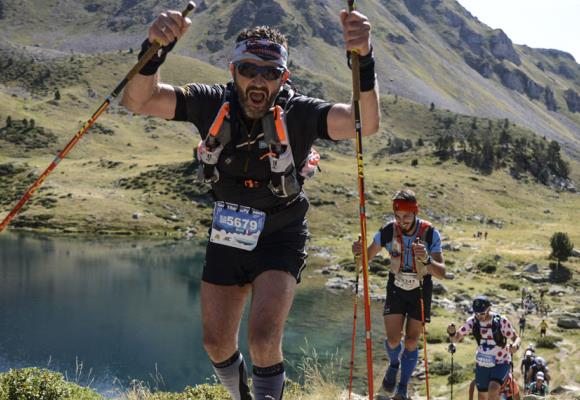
column 425, row 360
column 146, row 57
column 362, row 215
column 357, row 260
column 452, row 349
column 422, row 303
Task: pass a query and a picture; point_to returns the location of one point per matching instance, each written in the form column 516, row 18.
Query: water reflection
column 126, row 307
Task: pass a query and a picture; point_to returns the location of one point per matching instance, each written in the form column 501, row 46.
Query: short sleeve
column 507, row 330
column 198, row 103
column 467, row 328
column 377, row 238
column 436, row 242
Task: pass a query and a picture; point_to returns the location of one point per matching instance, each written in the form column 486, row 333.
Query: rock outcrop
column 502, row 47
column 550, row 100
column 572, row 100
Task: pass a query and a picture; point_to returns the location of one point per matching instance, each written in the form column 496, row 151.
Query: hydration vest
column 499, row 339
column 285, row 179
column 424, row 232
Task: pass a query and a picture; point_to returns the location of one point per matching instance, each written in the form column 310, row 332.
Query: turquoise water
column 129, row 309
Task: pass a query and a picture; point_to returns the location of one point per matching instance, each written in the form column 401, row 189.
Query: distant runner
column 493, row 356
column 414, row 246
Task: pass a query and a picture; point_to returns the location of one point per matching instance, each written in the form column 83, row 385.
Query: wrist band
column 366, row 65
column 155, row 62
column 367, row 75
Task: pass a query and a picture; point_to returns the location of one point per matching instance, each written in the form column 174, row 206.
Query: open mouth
column 257, row 98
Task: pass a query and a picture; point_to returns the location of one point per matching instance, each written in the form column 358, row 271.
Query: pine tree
column 9, row 121
column 561, row 247
column 57, row 95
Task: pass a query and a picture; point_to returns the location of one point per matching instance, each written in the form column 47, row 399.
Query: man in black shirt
column 256, row 140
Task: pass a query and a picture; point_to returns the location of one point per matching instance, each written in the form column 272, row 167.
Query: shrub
column 509, row 286
column 487, row 265
column 41, row 384
column 548, row 342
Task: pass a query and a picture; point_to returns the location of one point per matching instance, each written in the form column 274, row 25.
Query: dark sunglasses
column 249, row 70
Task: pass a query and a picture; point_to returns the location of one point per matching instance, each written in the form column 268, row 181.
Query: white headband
column 260, row 50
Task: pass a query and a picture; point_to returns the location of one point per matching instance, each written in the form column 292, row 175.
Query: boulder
column 534, row 278
column 449, row 275
column 556, row 290
column 439, row 288
column 569, row 323
column 511, row 266
column 531, row 268
column 337, row 283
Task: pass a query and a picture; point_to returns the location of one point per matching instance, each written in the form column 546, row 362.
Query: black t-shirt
column 244, row 157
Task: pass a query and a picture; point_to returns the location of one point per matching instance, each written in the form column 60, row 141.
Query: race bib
column 406, row 280
column 485, row 360
column 236, row 226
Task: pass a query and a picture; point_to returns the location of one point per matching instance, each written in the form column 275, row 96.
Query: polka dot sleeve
column 467, row 328
column 507, row 329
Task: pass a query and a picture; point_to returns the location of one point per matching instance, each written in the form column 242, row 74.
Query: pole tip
column 190, row 6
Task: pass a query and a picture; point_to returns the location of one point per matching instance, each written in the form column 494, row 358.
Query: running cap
column 540, row 361
column 481, row 304
column 529, row 353
column 540, row 375
column 261, row 50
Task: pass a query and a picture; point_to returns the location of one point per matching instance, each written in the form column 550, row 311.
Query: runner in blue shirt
column 414, row 246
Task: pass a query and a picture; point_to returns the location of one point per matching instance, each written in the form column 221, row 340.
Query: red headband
column 405, row 205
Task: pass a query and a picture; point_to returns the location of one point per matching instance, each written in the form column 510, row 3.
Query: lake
column 129, row 309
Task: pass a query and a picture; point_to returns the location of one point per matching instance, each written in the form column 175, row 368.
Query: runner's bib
column 236, row 226
column 485, row 360
column 406, row 280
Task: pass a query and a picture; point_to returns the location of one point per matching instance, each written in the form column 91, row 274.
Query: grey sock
column 233, row 375
column 269, row 382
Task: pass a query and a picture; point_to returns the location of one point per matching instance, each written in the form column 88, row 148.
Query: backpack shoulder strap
column 476, row 331
column 498, row 336
column 387, row 234
column 425, row 232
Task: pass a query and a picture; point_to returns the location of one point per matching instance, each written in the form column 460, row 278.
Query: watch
column 427, row 261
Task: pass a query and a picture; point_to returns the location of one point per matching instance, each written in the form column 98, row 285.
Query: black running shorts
column 406, row 302
column 281, row 247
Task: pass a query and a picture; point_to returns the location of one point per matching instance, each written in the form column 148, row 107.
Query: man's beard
column 249, row 109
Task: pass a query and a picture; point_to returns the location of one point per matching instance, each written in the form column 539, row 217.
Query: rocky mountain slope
column 430, row 51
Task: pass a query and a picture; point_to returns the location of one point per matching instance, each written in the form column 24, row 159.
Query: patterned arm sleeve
column 466, row 329
column 507, row 329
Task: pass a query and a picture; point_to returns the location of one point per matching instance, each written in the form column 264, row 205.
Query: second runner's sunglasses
column 249, row 70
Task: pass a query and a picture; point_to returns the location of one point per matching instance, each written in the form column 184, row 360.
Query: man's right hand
column 167, row 27
column 451, row 330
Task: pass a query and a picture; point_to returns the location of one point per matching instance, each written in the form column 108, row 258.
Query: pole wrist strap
column 155, row 62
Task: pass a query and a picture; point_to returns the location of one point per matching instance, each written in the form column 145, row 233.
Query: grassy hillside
column 135, row 175
column 430, row 51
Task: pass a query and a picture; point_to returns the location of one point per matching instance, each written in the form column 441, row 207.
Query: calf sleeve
column 233, row 375
column 269, row 382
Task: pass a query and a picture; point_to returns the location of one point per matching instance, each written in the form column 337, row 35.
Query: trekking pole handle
column 452, row 348
column 155, row 47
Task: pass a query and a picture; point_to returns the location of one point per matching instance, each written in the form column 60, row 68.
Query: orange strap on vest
column 222, row 114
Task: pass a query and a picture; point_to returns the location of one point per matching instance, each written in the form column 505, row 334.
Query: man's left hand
column 356, row 30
